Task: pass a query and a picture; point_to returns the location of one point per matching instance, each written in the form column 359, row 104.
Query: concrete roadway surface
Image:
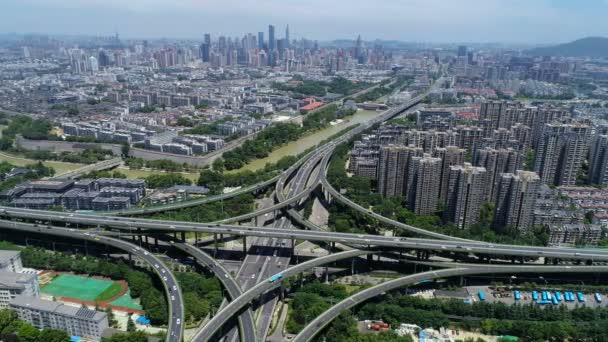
column 172, row 289
column 232, row 287
column 363, row 240
column 325, row 318
column 253, row 269
column 259, row 289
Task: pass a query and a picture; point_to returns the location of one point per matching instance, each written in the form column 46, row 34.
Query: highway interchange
column 291, row 188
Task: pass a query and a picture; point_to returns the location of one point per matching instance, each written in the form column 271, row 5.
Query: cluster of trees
column 312, row 300
column 201, row 295
column 210, row 212
column 207, row 129
column 105, row 174
column 360, row 190
column 163, row 181
column 35, row 129
column 261, row 145
column 71, row 109
column 215, row 179
column 567, row 95
column 528, row 321
column 90, row 155
column 159, row 164
column 142, row 283
column 35, row 171
column 406, row 121
column 338, row 85
column 321, row 118
column 13, row 329
column 131, row 336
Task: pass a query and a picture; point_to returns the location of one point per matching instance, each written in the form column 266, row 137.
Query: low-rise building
column 10, row 261
column 17, row 284
column 44, row 314
column 575, row 234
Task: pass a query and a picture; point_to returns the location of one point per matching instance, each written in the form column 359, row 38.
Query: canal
column 310, row 140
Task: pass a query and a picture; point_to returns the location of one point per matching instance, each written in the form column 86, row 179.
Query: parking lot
column 507, row 297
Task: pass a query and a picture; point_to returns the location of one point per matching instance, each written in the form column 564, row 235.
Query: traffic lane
column 173, row 291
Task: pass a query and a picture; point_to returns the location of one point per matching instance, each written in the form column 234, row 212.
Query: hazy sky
column 525, row 21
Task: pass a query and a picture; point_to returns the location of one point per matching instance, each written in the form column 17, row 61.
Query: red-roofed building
column 467, row 115
column 311, row 106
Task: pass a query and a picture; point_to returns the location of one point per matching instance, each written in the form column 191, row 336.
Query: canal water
column 310, row 140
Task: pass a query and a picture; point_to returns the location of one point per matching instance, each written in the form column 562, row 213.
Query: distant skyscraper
column 462, row 51
column 94, row 65
column 207, row 39
column 516, row 200
column 423, row 194
column 260, row 40
column 205, row 52
column 287, row 42
column 272, row 42
column 103, row 60
column 358, row 49
column 466, row 195
column 561, row 151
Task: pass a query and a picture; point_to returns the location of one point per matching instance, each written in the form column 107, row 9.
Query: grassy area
column 145, row 173
column 110, row 292
column 60, row 167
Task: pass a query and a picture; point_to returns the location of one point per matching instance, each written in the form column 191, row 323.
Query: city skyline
column 509, row 21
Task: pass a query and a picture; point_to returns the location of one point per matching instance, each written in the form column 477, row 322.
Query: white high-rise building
column 93, row 64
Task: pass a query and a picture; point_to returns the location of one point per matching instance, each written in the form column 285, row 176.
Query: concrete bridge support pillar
column 215, row 241
column 293, row 247
column 326, row 274
column 370, row 260
column 244, row 246
column 183, row 236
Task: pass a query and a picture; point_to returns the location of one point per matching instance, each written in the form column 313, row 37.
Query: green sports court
column 68, row 285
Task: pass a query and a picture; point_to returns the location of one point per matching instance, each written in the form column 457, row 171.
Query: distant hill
column 586, row 47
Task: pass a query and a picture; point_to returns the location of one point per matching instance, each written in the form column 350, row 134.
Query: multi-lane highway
column 172, row 288
column 473, row 247
column 325, row 318
column 266, row 285
column 232, row 287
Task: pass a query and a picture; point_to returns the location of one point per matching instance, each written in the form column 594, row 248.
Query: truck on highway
column 482, row 297
column 598, row 297
column 517, row 295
